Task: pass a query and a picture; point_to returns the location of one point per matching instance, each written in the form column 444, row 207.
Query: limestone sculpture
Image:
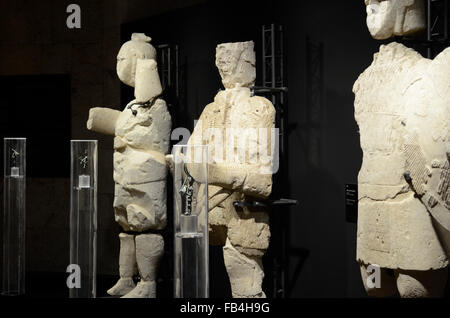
column 402, row 107
column 388, row 18
column 142, row 137
column 237, row 121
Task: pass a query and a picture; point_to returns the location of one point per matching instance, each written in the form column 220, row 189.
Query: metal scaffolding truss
column 169, row 67
column 273, row 77
column 272, row 47
column 436, row 38
column 274, row 88
column 437, row 20
column 437, row 26
column 273, row 80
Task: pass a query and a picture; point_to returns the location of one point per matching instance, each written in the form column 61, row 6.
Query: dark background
column 34, row 40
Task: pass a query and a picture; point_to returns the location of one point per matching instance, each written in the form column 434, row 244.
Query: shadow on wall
column 321, row 221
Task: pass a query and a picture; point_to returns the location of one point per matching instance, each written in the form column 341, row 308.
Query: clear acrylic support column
column 191, row 277
column 83, row 216
column 14, row 216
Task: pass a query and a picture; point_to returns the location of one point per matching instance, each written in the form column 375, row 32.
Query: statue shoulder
column 160, row 105
column 160, row 109
column 209, row 111
column 262, row 105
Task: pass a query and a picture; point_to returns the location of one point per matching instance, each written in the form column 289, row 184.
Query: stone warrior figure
column 402, row 109
column 238, row 125
column 142, row 137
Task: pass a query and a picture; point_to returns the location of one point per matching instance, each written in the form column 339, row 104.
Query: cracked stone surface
column 245, row 272
column 142, row 137
column 388, row 18
column 139, row 167
column 236, row 64
column 402, row 107
column 244, row 233
column 255, row 236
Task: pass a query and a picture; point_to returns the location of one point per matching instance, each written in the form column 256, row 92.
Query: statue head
column 138, row 48
column 236, row 64
column 387, row 18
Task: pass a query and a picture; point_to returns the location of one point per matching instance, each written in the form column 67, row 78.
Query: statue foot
column 123, row 286
column 144, row 289
column 421, row 284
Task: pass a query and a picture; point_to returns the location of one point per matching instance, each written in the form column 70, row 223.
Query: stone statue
column 388, row 18
column 238, row 124
column 402, row 107
column 142, row 137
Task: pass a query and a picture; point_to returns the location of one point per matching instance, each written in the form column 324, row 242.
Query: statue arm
column 103, row 120
column 250, row 182
column 253, row 179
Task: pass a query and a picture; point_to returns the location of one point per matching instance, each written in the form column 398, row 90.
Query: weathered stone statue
column 388, row 18
column 142, row 137
column 402, row 107
column 237, row 128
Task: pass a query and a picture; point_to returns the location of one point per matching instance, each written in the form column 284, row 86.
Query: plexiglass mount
column 191, row 221
column 14, row 216
column 83, row 217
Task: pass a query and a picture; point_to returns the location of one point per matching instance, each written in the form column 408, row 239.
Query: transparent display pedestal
column 191, row 221
column 83, row 217
column 14, row 216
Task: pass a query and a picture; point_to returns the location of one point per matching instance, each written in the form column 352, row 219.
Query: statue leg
column 244, row 271
column 149, row 251
column 127, row 266
column 421, row 284
column 387, row 287
column 248, row 238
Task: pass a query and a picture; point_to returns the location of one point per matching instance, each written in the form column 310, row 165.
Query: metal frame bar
column 169, row 66
column 437, row 26
column 273, row 87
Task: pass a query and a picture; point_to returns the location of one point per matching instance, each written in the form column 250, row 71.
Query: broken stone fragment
column 247, row 233
column 245, row 273
column 103, row 120
column 387, row 18
column 236, row 64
